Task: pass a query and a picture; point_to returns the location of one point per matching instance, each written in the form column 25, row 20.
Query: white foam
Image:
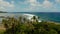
column 30, row 16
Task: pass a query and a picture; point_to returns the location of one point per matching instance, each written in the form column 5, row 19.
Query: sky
column 30, row 5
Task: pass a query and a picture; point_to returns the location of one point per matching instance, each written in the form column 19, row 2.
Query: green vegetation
column 1, row 31
column 16, row 26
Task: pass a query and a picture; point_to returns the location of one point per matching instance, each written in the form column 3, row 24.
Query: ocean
column 47, row 16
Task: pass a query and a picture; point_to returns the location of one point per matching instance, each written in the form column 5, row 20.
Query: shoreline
column 53, row 22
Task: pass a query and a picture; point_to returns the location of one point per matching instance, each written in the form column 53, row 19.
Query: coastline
column 53, row 22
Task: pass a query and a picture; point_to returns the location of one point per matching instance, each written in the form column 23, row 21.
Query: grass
column 2, row 29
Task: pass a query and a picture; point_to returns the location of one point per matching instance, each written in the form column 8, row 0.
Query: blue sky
column 30, row 5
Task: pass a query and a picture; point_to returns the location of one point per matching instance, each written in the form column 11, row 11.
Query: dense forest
column 16, row 26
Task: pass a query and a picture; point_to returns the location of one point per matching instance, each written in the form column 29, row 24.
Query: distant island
column 2, row 12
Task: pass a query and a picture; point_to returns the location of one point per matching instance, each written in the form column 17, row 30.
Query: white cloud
column 47, row 4
column 58, row 1
column 35, row 5
column 2, row 8
column 32, row 1
column 4, row 5
column 0, row 0
column 12, row 2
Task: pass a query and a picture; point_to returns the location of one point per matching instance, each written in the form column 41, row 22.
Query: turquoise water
column 50, row 16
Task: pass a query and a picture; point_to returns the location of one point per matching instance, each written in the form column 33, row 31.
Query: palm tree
column 35, row 19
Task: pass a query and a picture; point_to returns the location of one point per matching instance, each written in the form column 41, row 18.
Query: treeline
column 16, row 26
column 3, row 12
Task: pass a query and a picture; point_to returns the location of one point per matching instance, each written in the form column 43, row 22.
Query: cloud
column 47, row 4
column 34, row 5
column 2, row 8
column 58, row 1
column 28, row 5
column 4, row 5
